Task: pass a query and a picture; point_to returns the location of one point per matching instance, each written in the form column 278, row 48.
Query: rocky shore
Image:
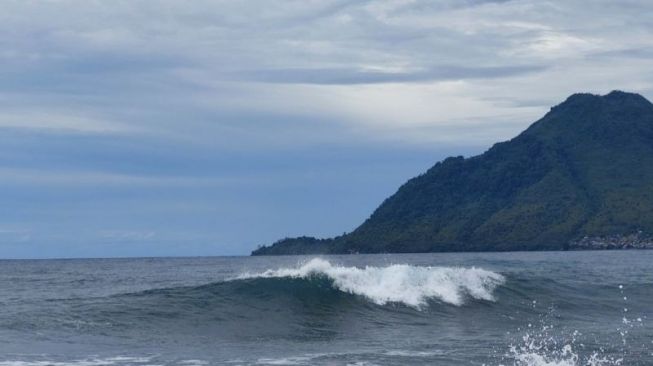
column 637, row 240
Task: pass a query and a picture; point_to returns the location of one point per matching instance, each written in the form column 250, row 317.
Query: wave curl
column 397, row 283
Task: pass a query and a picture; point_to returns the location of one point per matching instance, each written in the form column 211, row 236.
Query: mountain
column 584, row 170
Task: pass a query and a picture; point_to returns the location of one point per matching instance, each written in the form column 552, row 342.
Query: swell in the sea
column 318, row 289
column 309, row 300
column 319, row 300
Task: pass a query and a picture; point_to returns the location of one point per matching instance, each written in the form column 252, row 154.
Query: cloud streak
column 343, row 76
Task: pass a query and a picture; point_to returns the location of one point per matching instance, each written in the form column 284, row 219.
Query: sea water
column 546, row 308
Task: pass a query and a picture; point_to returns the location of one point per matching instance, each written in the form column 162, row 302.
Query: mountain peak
column 583, row 117
column 613, row 96
column 580, row 97
column 619, row 96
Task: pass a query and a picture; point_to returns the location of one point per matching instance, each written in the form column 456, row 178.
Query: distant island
column 581, row 177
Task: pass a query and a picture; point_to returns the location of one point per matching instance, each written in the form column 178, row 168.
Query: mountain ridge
column 585, row 169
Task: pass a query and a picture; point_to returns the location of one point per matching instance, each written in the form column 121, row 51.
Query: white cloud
column 57, row 121
column 127, row 235
column 78, row 178
column 164, row 67
column 11, row 235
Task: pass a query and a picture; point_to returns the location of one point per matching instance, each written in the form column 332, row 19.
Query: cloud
column 77, row 178
column 14, row 236
column 343, row 76
column 202, row 120
column 56, row 122
column 148, row 65
column 127, row 235
column 205, row 72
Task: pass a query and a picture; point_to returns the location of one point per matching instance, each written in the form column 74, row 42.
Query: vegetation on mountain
column 585, row 169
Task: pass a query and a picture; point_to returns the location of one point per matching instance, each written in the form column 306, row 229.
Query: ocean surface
column 547, row 308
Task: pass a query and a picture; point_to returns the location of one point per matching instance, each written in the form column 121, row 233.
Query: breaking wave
column 399, row 283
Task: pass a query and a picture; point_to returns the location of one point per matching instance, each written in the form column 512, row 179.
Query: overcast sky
column 146, row 128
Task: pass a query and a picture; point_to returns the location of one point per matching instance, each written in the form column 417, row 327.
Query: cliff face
column 584, row 170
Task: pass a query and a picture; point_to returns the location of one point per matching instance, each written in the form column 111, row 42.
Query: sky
column 178, row 128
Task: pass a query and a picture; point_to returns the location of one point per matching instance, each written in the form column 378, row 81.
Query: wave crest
column 398, row 283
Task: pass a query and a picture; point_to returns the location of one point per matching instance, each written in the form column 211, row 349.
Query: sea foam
column 535, row 356
column 398, row 283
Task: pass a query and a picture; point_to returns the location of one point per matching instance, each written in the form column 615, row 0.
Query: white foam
column 400, row 283
column 567, row 357
column 412, row 354
column 111, row 361
column 531, row 356
column 540, row 349
column 286, row 361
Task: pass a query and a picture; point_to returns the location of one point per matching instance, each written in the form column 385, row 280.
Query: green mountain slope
column 584, row 170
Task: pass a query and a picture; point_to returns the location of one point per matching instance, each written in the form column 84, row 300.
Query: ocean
column 541, row 308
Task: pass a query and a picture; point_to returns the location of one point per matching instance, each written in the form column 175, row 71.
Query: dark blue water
column 557, row 308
